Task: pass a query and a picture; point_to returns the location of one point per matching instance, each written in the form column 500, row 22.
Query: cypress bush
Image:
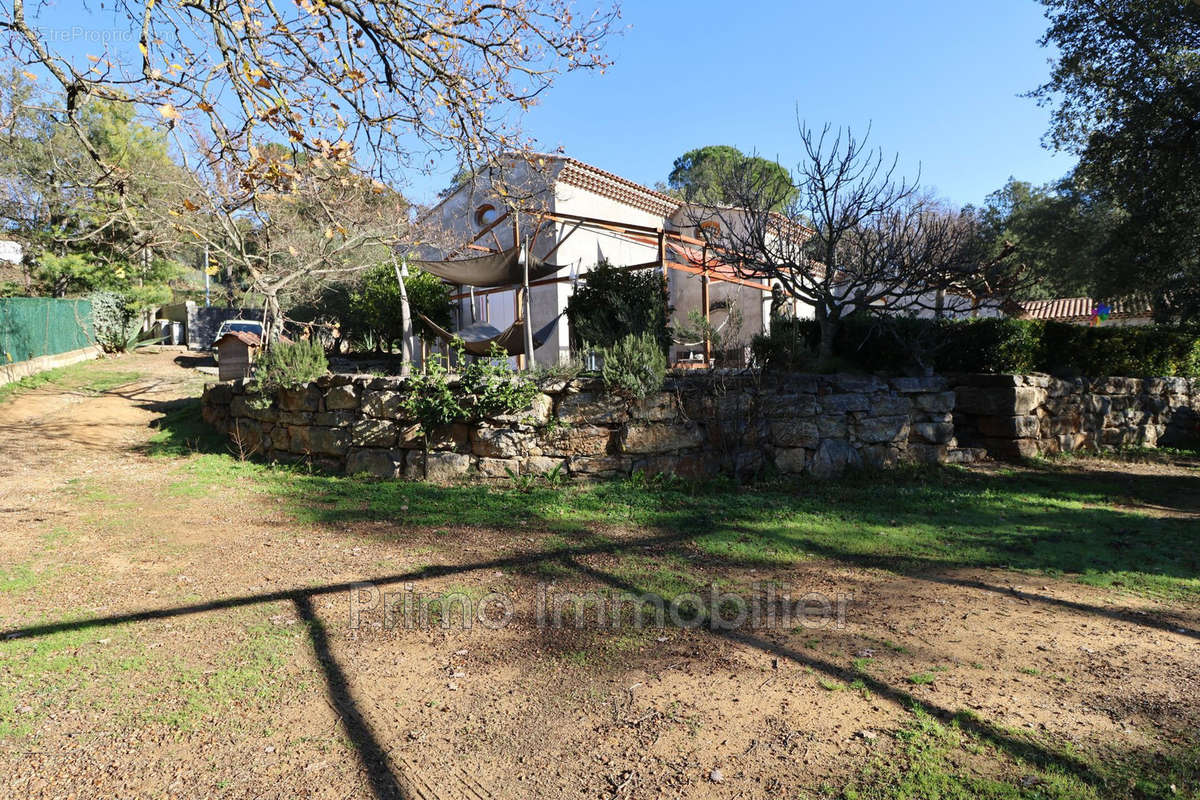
column 898, row 345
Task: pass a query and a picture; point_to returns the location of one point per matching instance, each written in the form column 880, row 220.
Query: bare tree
column 373, row 88
column 848, row 237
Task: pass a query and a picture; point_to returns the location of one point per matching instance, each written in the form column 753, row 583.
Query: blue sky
column 939, row 80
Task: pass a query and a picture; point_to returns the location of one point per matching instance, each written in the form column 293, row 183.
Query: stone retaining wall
column 697, row 426
column 1029, row 415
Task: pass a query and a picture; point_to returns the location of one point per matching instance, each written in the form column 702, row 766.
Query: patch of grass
column 931, row 765
column 936, row 761
column 17, row 578
column 920, row 679
column 89, row 377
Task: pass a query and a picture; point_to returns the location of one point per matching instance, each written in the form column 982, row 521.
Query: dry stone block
column 381, row 463
column 939, row 402
column 791, row 460
column 591, row 408
column 304, row 398
column 382, row 404
column 328, row 441
column 438, row 467
column 368, row 432
column 599, row 466
column 882, row 429
column 341, row 398
column 795, row 433
column 540, row 465
column 584, row 440
column 1022, row 427
column 498, row 467
column 502, row 443
column 844, row 403
column 833, row 457
column 933, row 432
column 661, row 438
column 658, row 407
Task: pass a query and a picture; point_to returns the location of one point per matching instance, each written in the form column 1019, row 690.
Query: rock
column 217, row 394
column 998, row 401
column 541, row 465
column 932, row 383
column 303, row 398
column 500, row 443
column 1022, row 427
column 716, row 776
column 368, row 432
column 833, row 457
column 378, row 462
column 599, row 466
column 382, row 404
column 882, row 429
column 933, row 432
column 437, row 467
column 328, row 441
column 341, row 398
column 658, row 407
column 660, row 438
column 498, row 467
column 791, row 460
column 590, row 408
column 891, row 406
column 844, row 403
column 939, row 402
column 253, row 407
column 795, row 433
column 584, row 440
column 334, row 419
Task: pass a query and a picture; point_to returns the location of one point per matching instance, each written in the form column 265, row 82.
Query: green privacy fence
column 41, row 326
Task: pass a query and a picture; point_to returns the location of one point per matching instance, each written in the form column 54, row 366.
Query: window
column 485, row 215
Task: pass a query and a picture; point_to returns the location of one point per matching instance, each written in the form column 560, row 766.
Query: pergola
column 502, row 269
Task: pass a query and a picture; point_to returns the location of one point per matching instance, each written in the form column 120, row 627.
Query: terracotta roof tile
column 1079, row 308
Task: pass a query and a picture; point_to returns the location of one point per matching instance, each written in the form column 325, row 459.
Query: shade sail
column 479, row 338
column 490, row 271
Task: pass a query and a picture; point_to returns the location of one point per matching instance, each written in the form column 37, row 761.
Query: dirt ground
column 172, row 640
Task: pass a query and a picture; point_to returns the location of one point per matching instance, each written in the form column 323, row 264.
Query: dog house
column 235, row 354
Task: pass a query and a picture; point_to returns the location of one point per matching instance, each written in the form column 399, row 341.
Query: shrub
column 285, row 365
column 635, row 366
column 488, row 386
column 613, row 302
column 994, row 345
column 115, row 318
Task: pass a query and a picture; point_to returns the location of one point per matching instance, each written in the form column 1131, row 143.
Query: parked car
column 236, row 326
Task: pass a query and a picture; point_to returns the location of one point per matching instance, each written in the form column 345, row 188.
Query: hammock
column 490, row 271
column 479, row 338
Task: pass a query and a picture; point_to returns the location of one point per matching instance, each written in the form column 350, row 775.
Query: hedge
column 909, row 345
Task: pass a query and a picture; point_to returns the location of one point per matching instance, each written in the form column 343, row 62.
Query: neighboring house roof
column 251, row 339
column 1067, row 309
column 614, row 187
column 593, row 179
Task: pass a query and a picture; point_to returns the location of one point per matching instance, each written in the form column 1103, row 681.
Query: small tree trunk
column 406, row 326
column 828, row 327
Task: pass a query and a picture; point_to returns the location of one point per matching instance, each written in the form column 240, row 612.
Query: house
column 574, row 216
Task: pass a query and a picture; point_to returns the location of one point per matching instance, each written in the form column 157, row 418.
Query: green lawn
column 1046, row 519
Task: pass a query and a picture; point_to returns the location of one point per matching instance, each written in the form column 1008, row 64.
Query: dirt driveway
column 175, row 628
